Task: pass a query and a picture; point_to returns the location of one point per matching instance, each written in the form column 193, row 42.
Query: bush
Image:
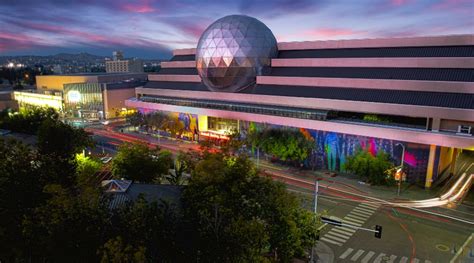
column 373, row 169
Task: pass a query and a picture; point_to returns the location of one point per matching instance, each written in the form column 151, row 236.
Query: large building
column 57, row 82
column 84, row 96
column 370, row 93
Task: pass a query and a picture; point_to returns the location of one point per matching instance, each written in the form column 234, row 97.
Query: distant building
column 58, row 69
column 116, row 66
column 117, row 55
column 121, row 65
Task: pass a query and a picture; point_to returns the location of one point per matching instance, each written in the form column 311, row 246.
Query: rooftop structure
column 345, row 94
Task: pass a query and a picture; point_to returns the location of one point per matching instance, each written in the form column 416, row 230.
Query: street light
column 401, row 167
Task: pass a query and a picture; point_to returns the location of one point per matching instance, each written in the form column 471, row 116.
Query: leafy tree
column 67, row 227
column 139, row 162
column 116, row 250
column 287, row 145
column 20, row 191
column 28, row 120
column 183, row 163
column 86, row 168
column 148, row 228
column 61, row 140
column 371, row 168
column 136, row 119
column 238, row 215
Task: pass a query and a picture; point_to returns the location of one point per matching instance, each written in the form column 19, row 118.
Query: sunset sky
column 151, row 28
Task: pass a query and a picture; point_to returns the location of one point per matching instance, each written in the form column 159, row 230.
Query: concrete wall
column 114, row 100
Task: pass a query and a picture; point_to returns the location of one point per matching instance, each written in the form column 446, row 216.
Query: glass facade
column 241, row 107
column 84, row 100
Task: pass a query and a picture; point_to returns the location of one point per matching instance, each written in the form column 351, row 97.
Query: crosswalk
column 354, row 255
column 358, row 216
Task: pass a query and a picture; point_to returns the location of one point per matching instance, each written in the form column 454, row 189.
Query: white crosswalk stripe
column 338, row 239
column 367, row 257
column 331, row 233
column 357, row 255
column 359, row 211
column 392, row 259
column 354, row 219
column 342, row 231
column 379, row 258
column 357, row 217
column 346, row 253
column 351, row 221
column 331, row 241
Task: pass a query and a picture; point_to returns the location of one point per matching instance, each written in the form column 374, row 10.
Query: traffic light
column 378, row 233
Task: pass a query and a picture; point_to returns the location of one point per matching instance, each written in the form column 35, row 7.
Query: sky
column 152, row 28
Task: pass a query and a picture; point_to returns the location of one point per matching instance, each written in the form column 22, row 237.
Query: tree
column 286, row 145
column 139, row 162
column 238, row 215
column 28, row 120
column 148, row 228
column 61, row 140
column 136, row 119
column 117, row 251
column 68, row 226
column 21, row 190
column 183, row 163
column 371, row 168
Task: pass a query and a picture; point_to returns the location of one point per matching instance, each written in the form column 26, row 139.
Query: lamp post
column 401, row 167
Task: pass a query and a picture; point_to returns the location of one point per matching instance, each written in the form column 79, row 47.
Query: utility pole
column 401, row 168
column 258, row 156
column 316, row 189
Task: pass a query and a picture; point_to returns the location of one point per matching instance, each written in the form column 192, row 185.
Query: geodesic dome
column 232, row 51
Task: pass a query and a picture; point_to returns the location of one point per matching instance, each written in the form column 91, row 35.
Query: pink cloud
column 18, row 41
column 398, row 2
column 460, row 6
column 142, row 6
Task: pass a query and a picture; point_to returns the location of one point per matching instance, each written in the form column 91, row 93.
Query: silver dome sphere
column 232, row 51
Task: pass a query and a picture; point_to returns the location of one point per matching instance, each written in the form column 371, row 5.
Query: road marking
column 355, row 219
column 365, row 209
column 392, row 259
column 362, row 211
column 368, row 207
column 367, row 257
column 415, row 260
column 331, row 233
column 351, row 221
column 378, row 259
column 427, row 261
column 330, row 241
column 335, row 238
column 357, row 255
column 342, row 231
column 347, row 253
column 404, row 260
column 360, row 214
column 345, row 229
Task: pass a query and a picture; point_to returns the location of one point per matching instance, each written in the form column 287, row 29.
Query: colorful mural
column 332, row 150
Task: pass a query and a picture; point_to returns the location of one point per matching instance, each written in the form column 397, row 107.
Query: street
column 409, row 235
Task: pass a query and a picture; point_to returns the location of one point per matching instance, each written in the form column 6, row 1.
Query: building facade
column 369, row 93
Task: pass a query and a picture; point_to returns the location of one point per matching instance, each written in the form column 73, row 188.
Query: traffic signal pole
column 377, row 231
